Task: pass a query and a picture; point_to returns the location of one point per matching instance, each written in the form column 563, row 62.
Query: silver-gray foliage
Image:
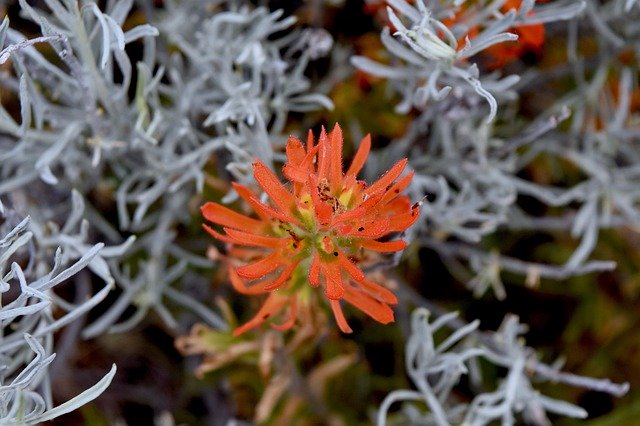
column 470, row 160
column 471, row 167
column 431, row 62
column 435, row 370
column 28, row 322
column 212, row 76
column 98, row 124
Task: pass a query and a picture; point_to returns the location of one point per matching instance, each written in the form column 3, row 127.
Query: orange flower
column 314, row 232
column 530, row 37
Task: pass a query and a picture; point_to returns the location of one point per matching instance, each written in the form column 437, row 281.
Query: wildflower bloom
column 314, row 232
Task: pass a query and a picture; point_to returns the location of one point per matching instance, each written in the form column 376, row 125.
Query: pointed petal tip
column 221, row 215
column 387, row 320
column 260, row 268
column 238, row 331
column 270, row 184
column 206, row 207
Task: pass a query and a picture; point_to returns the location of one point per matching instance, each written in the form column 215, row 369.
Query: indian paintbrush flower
column 314, row 232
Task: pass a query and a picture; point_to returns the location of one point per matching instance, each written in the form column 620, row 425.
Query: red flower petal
column 375, row 229
column 339, row 316
column 271, row 306
column 293, row 308
column 221, row 215
column 397, row 206
column 314, row 271
column 365, row 208
column 334, row 288
column 262, row 208
column 260, row 268
column 217, row 235
column 350, row 268
column 273, row 187
column 310, row 140
column 248, row 239
column 360, row 157
column 323, row 155
column 403, row 221
column 350, row 215
column 239, row 286
column 384, row 247
column 378, row 291
column 335, row 168
column 265, row 212
column 246, row 194
column 388, row 178
column 376, row 309
column 295, row 151
column 283, row 277
column 397, row 188
column 300, row 173
column 295, row 173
